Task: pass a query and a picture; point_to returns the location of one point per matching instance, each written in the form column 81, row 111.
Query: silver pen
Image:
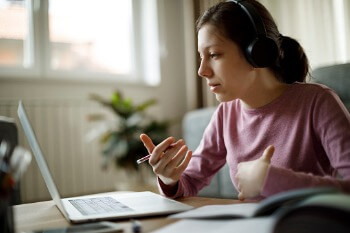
column 145, row 158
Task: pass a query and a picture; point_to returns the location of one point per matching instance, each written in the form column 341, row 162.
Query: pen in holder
column 12, row 165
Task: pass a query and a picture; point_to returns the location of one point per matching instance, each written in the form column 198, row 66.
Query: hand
column 167, row 164
column 251, row 175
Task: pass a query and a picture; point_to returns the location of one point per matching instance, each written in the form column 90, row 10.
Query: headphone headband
column 262, row 51
column 253, row 15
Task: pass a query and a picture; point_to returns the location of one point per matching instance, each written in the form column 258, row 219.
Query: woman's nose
column 204, row 70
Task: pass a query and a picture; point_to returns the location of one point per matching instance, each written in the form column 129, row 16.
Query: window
column 80, row 39
column 90, row 35
column 14, row 30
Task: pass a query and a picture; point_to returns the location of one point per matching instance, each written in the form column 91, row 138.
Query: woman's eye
column 214, row 55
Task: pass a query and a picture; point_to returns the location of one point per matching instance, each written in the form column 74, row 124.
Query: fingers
column 250, row 175
column 240, row 196
column 240, row 190
column 168, row 155
column 176, row 172
column 181, row 168
column 175, row 161
column 168, row 159
column 267, row 155
column 147, row 141
column 159, row 149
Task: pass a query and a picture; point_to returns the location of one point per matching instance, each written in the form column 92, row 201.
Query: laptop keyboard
column 99, row 205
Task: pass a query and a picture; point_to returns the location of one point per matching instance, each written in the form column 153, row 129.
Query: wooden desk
column 44, row 215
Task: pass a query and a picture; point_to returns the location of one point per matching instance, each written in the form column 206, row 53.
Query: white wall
column 320, row 26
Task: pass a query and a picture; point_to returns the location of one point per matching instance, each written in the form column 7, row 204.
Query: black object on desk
column 6, row 190
column 9, row 133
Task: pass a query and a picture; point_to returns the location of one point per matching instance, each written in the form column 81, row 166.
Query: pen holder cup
column 6, row 216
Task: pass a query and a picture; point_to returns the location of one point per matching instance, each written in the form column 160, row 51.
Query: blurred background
column 55, row 53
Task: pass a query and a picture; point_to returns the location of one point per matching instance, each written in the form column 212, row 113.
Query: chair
column 337, row 77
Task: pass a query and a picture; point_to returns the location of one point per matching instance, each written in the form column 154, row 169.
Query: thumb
column 267, row 155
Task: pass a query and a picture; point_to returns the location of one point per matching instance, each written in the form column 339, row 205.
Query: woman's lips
column 214, row 87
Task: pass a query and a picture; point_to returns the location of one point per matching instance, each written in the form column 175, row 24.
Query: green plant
column 121, row 143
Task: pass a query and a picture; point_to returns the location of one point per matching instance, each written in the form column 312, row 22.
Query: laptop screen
column 22, row 115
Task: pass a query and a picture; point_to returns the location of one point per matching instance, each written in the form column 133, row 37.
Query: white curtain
column 322, row 27
column 198, row 94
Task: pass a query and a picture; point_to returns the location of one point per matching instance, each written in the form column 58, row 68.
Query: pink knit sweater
column 309, row 127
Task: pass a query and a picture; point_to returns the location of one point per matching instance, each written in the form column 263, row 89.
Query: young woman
column 275, row 131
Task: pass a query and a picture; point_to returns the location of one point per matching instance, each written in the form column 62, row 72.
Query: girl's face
column 223, row 65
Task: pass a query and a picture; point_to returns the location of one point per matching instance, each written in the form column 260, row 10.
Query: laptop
column 102, row 206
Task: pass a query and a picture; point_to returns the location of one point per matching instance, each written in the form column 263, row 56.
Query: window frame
column 39, row 44
column 21, row 71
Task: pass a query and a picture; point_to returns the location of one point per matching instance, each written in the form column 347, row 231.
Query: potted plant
column 121, row 143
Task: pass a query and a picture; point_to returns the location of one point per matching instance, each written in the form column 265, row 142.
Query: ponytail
column 292, row 65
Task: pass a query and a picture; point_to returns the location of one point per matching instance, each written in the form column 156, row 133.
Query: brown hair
column 291, row 65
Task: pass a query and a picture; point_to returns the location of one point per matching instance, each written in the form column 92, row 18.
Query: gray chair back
column 336, row 77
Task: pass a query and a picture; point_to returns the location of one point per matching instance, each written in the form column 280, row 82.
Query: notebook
column 103, row 206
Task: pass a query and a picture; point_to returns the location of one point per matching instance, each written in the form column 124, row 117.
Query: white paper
column 220, row 211
column 247, row 225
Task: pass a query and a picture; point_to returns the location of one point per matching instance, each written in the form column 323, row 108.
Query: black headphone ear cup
column 262, row 52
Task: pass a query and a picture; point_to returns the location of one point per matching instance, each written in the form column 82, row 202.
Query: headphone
column 262, row 51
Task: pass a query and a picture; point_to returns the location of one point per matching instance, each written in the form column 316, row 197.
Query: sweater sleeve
column 331, row 124
column 206, row 160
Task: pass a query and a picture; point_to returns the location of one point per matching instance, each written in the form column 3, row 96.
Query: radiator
column 75, row 164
